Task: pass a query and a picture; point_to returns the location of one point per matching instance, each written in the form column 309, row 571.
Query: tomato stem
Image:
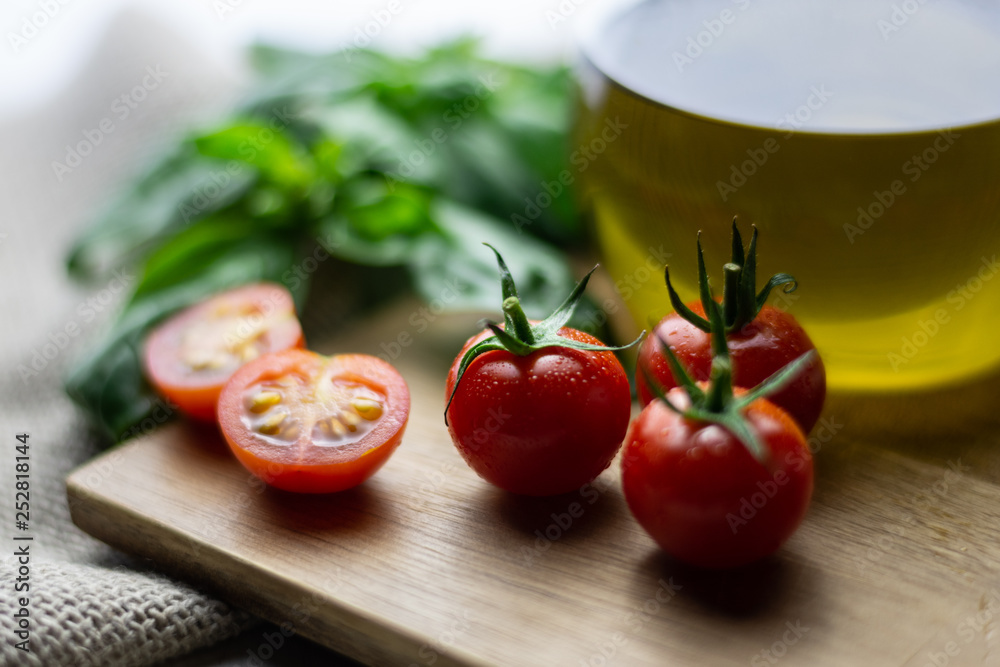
column 522, row 327
column 730, row 290
column 740, row 302
column 719, row 405
column 518, row 336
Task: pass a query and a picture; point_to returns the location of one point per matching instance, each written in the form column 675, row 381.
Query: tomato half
column 541, row 424
column 313, row 424
column 700, row 494
column 758, row 350
column 190, row 356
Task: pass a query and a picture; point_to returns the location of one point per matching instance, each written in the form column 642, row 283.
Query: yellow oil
column 885, row 205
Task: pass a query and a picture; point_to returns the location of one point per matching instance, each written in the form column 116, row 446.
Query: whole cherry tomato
column 190, row 356
column 313, row 424
column 537, row 408
column 540, row 424
column 702, row 496
column 718, row 477
column 761, row 338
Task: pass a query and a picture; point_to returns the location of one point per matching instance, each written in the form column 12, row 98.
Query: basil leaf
column 177, row 189
column 395, row 163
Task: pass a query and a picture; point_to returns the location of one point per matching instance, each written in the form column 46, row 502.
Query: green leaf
column 776, row 280
column 111, row 387
column 681, row 307
column 373, row 137
column 267, row 148
column 377, row 212
column 219, row 252
column 110, row 383
column 294, row 77
column 393, row 162
column 562, row 314
column 179, row 188
column 459, row 259
column 508, row 291
column 778, row 380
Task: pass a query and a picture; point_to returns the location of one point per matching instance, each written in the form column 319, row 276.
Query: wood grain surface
column 897, row 563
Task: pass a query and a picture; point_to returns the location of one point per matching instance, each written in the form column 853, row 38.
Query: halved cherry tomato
column 190, row 357
column 313, row 424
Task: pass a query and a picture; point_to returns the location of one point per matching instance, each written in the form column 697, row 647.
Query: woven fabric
column 89, row 615
column 88, row 604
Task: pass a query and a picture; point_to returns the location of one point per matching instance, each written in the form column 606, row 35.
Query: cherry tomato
column 697, row 490
column 758, row 350
column 189, row 357
column 540, row 424
column 313, row 424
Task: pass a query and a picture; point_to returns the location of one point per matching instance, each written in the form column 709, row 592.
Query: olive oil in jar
column 861, row 138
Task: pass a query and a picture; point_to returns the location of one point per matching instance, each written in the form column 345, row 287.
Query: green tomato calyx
column 718, row 404
column 519, row 336
column 740, row 301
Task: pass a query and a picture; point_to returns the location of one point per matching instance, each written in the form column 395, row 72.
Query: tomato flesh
column 190, row 356
column 313, row 424
column 703, row 497
column 541, row 424
column 761, row 348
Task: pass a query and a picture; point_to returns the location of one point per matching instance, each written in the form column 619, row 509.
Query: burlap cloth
column 89, row 605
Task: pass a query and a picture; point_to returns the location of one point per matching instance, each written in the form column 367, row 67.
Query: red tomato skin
column 761, row 348
column 700, row 494
column 543, row 424
column 195, row 396
column 303, row 468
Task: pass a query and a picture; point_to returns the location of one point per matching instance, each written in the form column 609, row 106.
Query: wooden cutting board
column 897, row 563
